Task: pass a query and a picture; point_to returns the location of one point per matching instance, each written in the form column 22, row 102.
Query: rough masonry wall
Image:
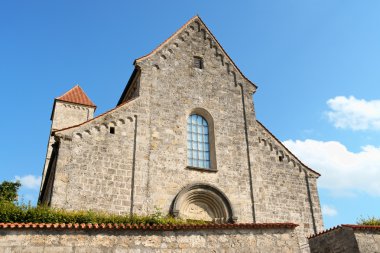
column 118, row 241
column 64, row 115
column 340, row 240
column 282, row 191
column 95, row 167
column 177, row 88
column 96, row 170
column 368, row 240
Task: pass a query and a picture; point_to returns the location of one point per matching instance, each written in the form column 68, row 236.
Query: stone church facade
column 183, row 139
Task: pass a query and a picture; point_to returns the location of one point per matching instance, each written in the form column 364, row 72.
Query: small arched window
column 198, row 147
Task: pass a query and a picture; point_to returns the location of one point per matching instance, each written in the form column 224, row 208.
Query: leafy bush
column 13, row 212
column 371, row 221
column 10, row 212
column 8, row 191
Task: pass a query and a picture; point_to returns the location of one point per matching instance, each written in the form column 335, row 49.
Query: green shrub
column 10, row 212
column 8, row 191
column 371, row 221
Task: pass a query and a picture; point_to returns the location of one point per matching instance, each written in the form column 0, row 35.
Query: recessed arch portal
column 200, row 201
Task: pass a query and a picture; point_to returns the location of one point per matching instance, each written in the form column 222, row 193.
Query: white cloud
column 328, row 210
column 29, row 181
column 342, row 171
column 353, row 113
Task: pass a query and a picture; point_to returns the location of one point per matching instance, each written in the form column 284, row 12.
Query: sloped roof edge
column 129, row 84
column 354, row 227
column 179, row 31
column 76, row 95
column 282, row 145
column 100, row 115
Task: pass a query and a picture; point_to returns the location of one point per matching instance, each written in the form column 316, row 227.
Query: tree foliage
column 8, row 191
column 371, row 221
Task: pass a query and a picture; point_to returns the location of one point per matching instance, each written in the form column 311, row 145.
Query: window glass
column 198, row 147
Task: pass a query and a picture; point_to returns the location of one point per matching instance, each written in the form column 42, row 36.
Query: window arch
column 198, row 142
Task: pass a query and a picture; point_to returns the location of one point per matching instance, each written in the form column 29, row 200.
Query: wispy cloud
column 342, row 171
column 353, row 113
column 29, row 181
column 328, row 210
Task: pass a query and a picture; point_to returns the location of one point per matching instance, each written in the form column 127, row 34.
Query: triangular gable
column 76, row 96
column 283, row 147
column 201, row 26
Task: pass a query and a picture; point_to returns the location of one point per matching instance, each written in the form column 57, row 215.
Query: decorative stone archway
column 200, row 201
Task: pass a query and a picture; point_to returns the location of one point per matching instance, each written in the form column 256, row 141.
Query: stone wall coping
column 354, row 227
column 87, row 226
column 362, row 227
column 99, row 116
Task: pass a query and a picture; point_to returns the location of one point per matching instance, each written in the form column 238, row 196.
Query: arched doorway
column 200, row 201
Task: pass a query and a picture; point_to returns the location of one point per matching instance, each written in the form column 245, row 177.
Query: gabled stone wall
column 97, row 169
column 176, row 90
column 143, row 166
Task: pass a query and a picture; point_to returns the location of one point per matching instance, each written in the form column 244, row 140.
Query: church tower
column 71, row 109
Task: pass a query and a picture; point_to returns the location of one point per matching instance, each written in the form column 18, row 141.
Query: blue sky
column 316, row 64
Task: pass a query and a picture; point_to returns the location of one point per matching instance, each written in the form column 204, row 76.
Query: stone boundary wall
column 347, row 238
column 70, row 238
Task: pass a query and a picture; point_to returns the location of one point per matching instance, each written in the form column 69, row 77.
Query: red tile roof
column 325, row 231
column 146, row 227
column 77, row 96
column 361, row 227
column 354, row 227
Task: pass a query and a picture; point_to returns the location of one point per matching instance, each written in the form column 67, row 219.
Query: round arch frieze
column 200, row 201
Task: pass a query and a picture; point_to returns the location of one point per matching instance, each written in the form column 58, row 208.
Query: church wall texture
column 176, row 90
column 113, row 240
column 286, row 190
column 368, row 240
column 347, row 238
column 65, row 115
column 142, row 166
column 95, row 169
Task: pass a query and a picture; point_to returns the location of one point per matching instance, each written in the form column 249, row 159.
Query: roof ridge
column 352, row 226
column 325, row 231
column 76, row 95
column 169, row 38
column 77, row 85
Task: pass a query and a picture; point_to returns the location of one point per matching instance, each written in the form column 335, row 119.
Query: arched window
column 198, row 147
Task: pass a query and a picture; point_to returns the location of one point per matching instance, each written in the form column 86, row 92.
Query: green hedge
column 10, row 212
